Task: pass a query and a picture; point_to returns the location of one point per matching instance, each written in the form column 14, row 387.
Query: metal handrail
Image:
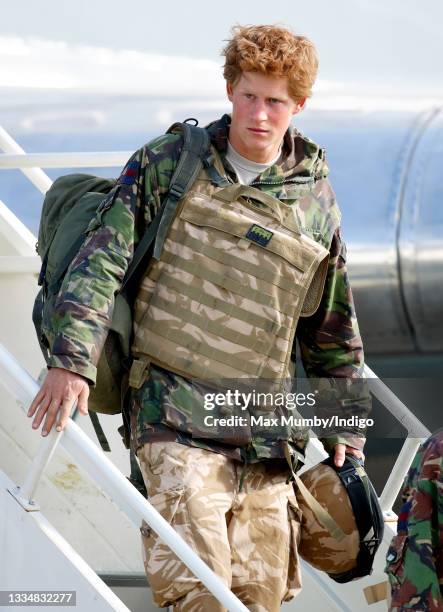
column 107, row 476
column 396, row 407
column 19, row 264
column 417, row 433
column 36, row 175
column 94, row 159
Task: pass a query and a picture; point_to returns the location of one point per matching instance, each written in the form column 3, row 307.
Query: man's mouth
column 258, row 131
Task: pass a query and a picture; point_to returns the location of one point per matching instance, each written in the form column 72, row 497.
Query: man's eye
column 274, row 101
column 249, row 96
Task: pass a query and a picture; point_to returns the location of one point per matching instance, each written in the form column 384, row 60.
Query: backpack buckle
column 176, row 192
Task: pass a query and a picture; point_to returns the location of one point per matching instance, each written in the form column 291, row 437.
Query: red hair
column 272, row 50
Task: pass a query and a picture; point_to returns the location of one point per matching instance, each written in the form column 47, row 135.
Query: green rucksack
column 69, row 205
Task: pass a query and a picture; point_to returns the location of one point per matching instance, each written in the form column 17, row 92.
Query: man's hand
column 341, row 450
column 61, row 389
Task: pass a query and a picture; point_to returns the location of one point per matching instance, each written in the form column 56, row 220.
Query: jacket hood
column 300, row 156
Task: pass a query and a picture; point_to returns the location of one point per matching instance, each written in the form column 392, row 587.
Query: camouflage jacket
column 415, row 557
column 329, row 340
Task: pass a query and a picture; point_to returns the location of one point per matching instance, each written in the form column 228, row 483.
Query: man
column 214, row 289
column 415, row 557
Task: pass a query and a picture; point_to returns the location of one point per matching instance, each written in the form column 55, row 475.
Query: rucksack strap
column 196, row 143
column 195, row 154
column 101, row 436
column 136, row 476
column 141, row 249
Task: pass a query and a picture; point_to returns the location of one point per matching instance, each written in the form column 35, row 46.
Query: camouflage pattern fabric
column 317, row 546
column 243, row 521
column 330, row 341
column 415, row 557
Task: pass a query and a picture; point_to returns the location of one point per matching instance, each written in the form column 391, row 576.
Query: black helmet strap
column 367, row 513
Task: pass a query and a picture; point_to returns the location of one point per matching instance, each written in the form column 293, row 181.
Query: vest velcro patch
column 259, row 234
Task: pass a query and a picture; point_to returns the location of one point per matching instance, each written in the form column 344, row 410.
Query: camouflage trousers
column 243, row 522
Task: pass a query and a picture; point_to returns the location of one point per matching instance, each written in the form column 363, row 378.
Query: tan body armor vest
column 234, row 276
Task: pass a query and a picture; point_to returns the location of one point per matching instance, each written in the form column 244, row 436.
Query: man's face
column 261, row 113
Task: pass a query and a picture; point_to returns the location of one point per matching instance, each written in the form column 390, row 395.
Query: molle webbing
column 220, row 305
column 224, row 298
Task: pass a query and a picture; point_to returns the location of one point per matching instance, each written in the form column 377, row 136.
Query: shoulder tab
column 197, row 143
column 196, row 139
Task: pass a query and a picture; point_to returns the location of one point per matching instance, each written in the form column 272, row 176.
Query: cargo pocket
column 166, row 503
column 293, row 585
column 394, row 560
column 162, row 566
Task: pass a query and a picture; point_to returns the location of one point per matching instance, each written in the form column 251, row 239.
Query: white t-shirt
column 246, row 169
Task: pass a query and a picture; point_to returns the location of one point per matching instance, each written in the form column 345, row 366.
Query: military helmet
column 342, row 522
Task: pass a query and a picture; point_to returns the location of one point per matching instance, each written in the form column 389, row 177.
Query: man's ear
column 299, row 105
column 229, row 90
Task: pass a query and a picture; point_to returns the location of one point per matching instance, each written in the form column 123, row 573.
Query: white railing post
column 94, row 159
column 107, row 476
column 416, row 432
column 39, row 178
column 23, row 387
column 395, row 406
column 397, row 475
column 25, row 493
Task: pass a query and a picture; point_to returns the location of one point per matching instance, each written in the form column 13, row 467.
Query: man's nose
column 259, row 111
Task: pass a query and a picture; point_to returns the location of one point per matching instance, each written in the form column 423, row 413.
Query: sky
column 121, row 73
column 388, row 43
column 67, row 66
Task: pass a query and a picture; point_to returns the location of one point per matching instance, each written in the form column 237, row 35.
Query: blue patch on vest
column 259, row 234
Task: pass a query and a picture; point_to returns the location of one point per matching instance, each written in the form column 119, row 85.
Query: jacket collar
column 300, row 156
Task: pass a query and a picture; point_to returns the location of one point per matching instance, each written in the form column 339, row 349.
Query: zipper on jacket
column 297, row 181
